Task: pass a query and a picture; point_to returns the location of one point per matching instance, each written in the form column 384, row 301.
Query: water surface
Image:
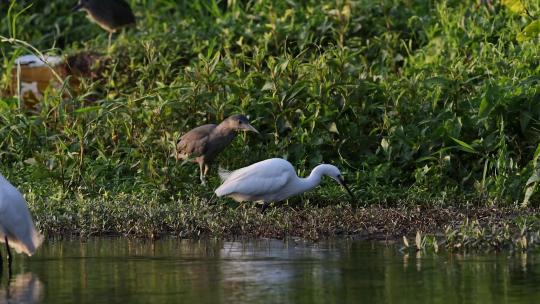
column 105, row 270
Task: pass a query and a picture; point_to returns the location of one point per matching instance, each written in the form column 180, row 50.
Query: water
column 266, row 271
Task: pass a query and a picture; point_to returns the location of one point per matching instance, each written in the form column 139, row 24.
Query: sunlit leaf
column 530, row 187
column 534, row 178
column 485, row 106
column 87, row 109
column 385, row 144
column 529, row 191
column 531, row 31
column 269, row 86
column 515, row 6
column 536, row 155
column 30, row 161
column 405, row 241
column 418, row 240
column 333, row 128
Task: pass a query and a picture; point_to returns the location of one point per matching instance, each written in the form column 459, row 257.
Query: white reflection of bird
column 25, row 288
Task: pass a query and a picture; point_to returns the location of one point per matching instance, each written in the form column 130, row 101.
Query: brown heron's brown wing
column 193, row 143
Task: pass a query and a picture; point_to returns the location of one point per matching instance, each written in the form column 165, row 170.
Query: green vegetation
column 431, row 103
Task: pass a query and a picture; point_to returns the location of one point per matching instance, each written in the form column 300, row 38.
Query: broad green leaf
column 531, row 187
column 269, row 86
column 87, row 109
column 528, row 193
column 433, row 81
column 30, row 161
column 426, row 158
column 215, row 61
column 524, row 119
column 464, row 146
column 283, row 65
column 531, row 31
column 536, row 154
column 533, row 180
column 489, row 100
column 484, row 105
column 515, row 6
column 535, row 177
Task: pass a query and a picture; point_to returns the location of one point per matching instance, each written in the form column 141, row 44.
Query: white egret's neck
column 314, row 179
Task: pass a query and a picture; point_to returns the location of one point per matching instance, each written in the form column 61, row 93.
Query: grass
column 428, row 103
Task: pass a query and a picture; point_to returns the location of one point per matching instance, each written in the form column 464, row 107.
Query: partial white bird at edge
column 15, row 220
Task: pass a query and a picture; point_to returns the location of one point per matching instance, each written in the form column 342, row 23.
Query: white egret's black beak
column 342, row 182
column 77, row 7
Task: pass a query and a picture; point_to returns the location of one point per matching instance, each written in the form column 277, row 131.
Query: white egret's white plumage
column 273, row 180
column 16, row 226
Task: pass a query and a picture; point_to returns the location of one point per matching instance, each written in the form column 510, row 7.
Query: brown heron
column 110, row 15
column 204, row 143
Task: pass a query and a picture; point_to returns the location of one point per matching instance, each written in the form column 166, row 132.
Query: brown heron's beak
column 342, row 182
column 248, row 127
column 77, row 7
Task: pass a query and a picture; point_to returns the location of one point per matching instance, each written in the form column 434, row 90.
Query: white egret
column 16, row 227
column 273, row 180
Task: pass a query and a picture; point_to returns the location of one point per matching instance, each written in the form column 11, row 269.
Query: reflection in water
column 279, row 272
column 243, row 262
column 24, row 288
column 266, row 271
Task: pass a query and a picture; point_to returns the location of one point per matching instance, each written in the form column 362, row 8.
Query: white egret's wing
column 259, row 179
column 224, row 174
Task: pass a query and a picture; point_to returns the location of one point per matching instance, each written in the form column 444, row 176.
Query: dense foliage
column 424, row 101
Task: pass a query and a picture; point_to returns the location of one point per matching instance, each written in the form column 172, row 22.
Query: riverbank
column 454, row 228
